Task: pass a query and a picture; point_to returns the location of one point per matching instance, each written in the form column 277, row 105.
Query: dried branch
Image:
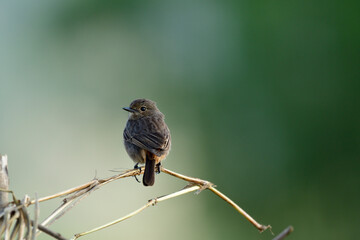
column 284, row 233
column 36, row 216
column 206, row 184
column 14, row 218
column 26, row 218
column 24, row 228
column 49, row 232
column 4, row 182
column 91, row 184
column 151, row 202
column 80, row 192
column 6, row 224
column 196, row 184
column 259, row 226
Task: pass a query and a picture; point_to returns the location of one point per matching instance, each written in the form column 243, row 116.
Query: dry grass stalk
column 23, row 225
column 195, row 184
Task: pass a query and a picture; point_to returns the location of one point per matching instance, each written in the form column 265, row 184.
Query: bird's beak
column 129, row 109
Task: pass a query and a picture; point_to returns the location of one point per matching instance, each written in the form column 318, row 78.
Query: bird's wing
column 153, row 142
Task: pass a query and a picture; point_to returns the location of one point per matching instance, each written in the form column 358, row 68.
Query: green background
column 262, row 99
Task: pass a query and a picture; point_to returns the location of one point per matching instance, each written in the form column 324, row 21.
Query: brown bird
column 146, row 137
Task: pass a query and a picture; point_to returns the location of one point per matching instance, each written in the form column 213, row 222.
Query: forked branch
column 76, row 194
column 195, row 184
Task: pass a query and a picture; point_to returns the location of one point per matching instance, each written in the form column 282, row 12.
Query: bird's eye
column 143, row 108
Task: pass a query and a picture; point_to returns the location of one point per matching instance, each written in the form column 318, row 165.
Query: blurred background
column 262, row 99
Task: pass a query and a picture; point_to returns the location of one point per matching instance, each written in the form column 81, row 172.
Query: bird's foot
column 138, row 168
column 157, row 168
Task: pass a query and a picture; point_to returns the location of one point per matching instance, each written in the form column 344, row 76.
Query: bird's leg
column 138, row 168
column 158, row 167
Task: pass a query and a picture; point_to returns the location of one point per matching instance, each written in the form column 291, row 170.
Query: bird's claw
column 138, row 168
column 157, row 169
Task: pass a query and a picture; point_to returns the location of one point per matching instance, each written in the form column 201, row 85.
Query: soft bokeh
column 262, row 98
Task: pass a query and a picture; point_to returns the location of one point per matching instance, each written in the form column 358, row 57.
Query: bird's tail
column 149, row 174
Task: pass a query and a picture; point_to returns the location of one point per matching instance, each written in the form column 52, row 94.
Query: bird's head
column 141, row 108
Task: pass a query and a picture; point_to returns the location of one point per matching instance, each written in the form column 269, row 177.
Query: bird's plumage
column 146, row 136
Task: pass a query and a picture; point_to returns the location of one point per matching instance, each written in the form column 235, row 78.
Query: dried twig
column 36, row 217
column 80, row 192
column 4, row 182
column 74, row 195
column 196, row 184
column 26, row 217
column 49, row 232
column 284, row 233
column 206, row 184
column 92, row 184
column 259, row 226
column 6, row 224
column 15, row 221
column 151, row 202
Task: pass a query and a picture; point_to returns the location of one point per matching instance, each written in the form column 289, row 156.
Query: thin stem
column 178, row 193
column 113, row 222
column 66, row 192
column 151, row 202
column 104, row 181
column 56, row 213
column 80, row 192
column 4, row 182
column 284, row 233
column 36, row 217
column 186, row 178
column 206, row 184
column 259, row 226
column 49, row 232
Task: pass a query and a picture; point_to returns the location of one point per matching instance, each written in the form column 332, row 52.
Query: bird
column 147, row 138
